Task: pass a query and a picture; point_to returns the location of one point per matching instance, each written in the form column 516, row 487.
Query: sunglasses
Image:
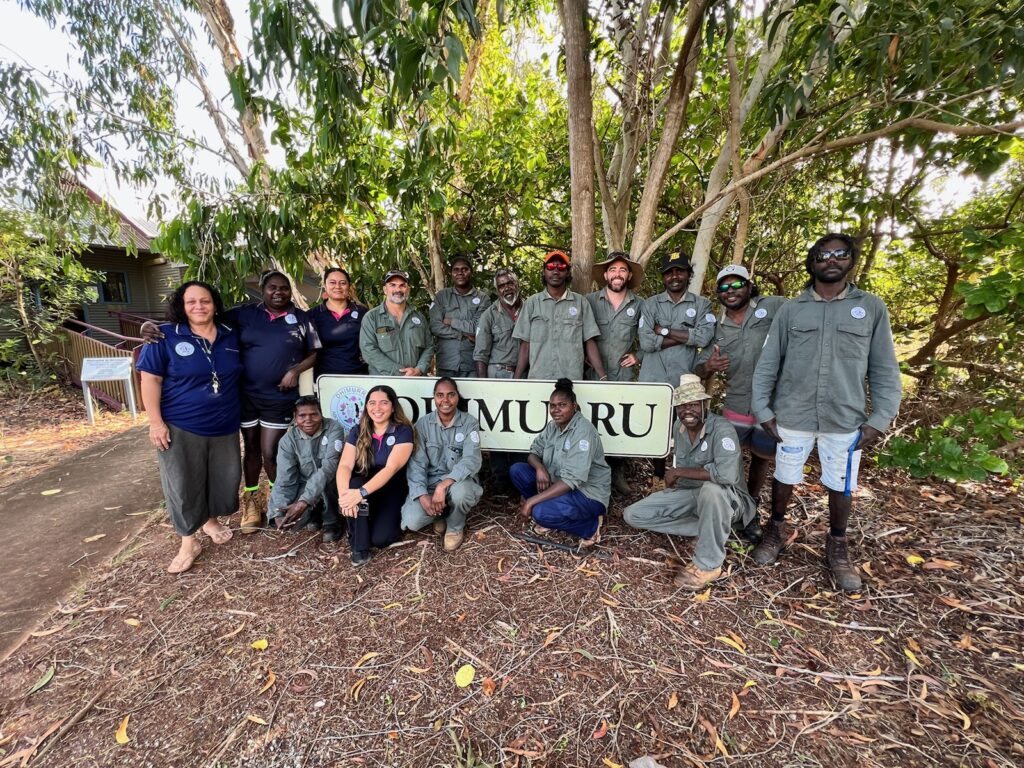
column 556, row 266
column 734, row 285
column 839, row 254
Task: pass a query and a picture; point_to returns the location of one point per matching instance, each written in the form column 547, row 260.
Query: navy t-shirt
column 340, row 339
column 395, row 435
column 270, row 346
column 187, row 362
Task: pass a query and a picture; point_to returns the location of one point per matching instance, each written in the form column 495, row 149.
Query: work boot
column 619, row 482
column 453, row 540
column 837, row 558
column 771, row 546
column 440, row 525
column 694, row 579
column 751, row 532
column 252, row 517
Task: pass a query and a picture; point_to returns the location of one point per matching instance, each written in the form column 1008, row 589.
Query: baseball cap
column 559, row 255
column 733, row 270
column 396, row 273
column 675, row 261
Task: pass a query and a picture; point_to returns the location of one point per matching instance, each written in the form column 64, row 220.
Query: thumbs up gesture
column 717, row 362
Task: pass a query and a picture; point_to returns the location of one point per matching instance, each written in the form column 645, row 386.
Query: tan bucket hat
column 690, row 390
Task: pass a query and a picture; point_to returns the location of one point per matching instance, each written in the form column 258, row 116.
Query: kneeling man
column 704, row 493
column 442, row 473
column 307, row 460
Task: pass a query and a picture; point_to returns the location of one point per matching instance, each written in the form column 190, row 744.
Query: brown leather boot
column 837, row 558
column 252, row 516
column 771, row 546
column 620, row 483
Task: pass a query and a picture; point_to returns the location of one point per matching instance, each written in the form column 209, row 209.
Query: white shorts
column 838, row 462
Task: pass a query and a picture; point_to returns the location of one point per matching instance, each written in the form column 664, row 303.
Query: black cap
column 675, row 261
column 396, row 273
column 460, row 257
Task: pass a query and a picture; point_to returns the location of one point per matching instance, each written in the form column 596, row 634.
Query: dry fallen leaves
column 122, row 732
column 488, row 686
column 464, row 676
column 365, row 658
column 91, row 539
column 271, row 679
column 601, row 731
column 259, row 645
column 673, row 701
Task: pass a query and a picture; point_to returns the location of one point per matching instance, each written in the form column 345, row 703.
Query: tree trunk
column 576, row 26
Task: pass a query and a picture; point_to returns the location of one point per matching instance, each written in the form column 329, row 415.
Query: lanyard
column 208, row 351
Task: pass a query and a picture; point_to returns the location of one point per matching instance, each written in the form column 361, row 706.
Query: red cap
column 552, row 255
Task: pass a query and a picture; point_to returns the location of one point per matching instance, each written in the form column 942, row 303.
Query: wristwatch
column 363, row 492
column 663, row 331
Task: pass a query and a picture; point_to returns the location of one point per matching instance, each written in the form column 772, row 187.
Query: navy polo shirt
column 270, row 346
column 187, row 399
column 396, row 434
column 340, row 339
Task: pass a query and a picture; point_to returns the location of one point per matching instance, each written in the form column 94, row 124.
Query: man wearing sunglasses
column 809, row 388
column 673, row 326
column 742, row 327
column 556, row 329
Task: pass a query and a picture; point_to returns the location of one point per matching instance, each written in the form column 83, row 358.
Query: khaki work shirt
column 556, row 331
column 388, row 347
column 815, row 361
column 692, row 314
column 575, row 456
column 618, row 329
column 742, row 344
column 444, row 452
column 306, row 464
column 454, row 350
column 716, row 450
column 494, row 342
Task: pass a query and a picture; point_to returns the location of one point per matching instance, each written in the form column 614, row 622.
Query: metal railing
column 75, row 346
column 130, row 323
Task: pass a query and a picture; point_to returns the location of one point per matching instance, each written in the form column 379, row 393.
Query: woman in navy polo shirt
column 337, row 320
column 278, row 343
column 190, row 388
column 372, row 469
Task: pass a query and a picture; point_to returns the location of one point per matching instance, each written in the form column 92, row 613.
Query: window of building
column 112, row 288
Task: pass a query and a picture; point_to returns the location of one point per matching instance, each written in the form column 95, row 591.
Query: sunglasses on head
column 839, row 254
column 734, row 285
column 556, row 266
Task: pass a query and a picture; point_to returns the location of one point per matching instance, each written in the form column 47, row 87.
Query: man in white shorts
column 808, row 388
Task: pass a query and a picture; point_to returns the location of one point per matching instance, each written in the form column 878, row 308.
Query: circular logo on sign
column 476, row 299
column 346, row 405
column 184, row 349
column 390, row 440
column 691, row 312
column 416, row 321
column 630, row 312
column 573, row 311
column 762, row 312
column 858, row 312
column 728, row 444
column 459, row 437
column 355, row 315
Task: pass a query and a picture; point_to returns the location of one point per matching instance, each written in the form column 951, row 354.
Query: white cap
column 733, row 270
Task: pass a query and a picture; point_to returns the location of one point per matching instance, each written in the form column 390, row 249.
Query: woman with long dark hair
column 337, row 320
column 371, row 475
column 190, row 388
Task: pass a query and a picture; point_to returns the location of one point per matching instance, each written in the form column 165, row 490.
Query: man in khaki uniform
column 808, row 388
column 617, row 312
column 454, row 315
column 556, row 328
column 394, row 338
column 496, row 352
column 704, row 495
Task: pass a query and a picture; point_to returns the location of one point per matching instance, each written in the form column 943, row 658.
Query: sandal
column 595, row 538
column 539, row 530
column 182, row 562
column 221, row 534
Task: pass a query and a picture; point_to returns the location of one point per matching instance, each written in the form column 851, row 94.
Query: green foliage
column 962, row 447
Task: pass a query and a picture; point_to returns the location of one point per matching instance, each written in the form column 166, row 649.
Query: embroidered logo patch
column 691, row 312
column 573, row 311
column 355, row 315
column 630, row 312
column 704, row 445
column 338, row 444
column 459, row 437
column 728, row 443
column 390, row 440
column 584, row 445
column 641, row 323
column 184, row 349
column 415, row 321
column 759, row 313
column 567, row 446
column 709, row 317
column 476, row 299
column 324, row 440
column 474, row 437
column 291, row 319
column 858, row 312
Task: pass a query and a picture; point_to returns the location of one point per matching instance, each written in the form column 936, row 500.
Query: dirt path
column 104, row 491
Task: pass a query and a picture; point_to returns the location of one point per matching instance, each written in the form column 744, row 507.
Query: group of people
column 796, row 373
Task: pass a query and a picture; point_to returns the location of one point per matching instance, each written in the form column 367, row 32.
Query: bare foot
column 218, row 532
column 190, row 549
column 596, row 538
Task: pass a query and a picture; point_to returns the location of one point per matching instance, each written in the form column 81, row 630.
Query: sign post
column 107, row 369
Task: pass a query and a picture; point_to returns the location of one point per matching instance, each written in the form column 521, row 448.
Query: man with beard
column 704, row 495
column 556, row 328
column 740, row 332
column 394, row 338
column 808, row 387
column 673, row 326
column 453, row 319
column 617, row 311
column 496, row 354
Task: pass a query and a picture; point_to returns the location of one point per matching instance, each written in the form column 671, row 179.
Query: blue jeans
column 573, row 512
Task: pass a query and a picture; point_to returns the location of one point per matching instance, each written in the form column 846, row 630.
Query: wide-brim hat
column 636, row 272
column 690, row 390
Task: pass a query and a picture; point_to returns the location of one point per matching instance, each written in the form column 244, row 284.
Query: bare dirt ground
column 273, row 651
